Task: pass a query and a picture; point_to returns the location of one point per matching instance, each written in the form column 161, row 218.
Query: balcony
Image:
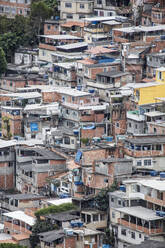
column 155, row 200
column 94, row 30
column 13, row 227
column 149, row 231
column 135, row 115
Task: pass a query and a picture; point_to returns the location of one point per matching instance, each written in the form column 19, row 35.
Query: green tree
column 4, row 24
column 39, row 13
column 3, row 63
column 54, row 209
column 9, row 42
column 102, row 198
column 5, row 245
column 109, row 237
column 39, row 227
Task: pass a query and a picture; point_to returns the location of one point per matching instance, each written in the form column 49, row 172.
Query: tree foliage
column 5, row 245
column 39, row 227
column 3, row 63
column 39, row 13
column 109, row 237
column 55, row 209
column 15, row 33
column 102, row 199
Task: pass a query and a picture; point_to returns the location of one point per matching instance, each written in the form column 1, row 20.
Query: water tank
column 91, row 91
column 122, row 188
column 153, row 173
column 162, row 175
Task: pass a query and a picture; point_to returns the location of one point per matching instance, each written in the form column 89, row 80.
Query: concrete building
column 76, row 10
column 31, row 177
column 12, row 8
column 146, row 151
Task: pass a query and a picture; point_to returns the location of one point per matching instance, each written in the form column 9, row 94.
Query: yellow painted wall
column 148, row 94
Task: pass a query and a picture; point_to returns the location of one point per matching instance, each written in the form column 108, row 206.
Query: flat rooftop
column 61, row 37
column 23, row 196
column 154, row 184
column 20, row 215
column 113, row 160
column 149, row 244
column 154, row 114
column 140, row 212
column 139, row 29
column 147, row 140
column 73, row 46
column 113, row 74
column 23, row 95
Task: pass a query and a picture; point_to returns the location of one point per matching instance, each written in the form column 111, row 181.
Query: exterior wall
column 139, row 236
column 15, row 123
column 51, row 29
column 12, row 8
column 135, row 69
column 45, row 52
column 13, row 229
column 75, row 11
column 97, row 132
column 11, row 84
column 135, row 127
column 93, row 71
column 91, row 155
column 152, row 126
column 157, row 163
column 49, row 97
column 148, row 94
column 7, row 177
column 148, row 153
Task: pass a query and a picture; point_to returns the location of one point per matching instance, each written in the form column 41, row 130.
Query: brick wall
column 53, row 29
column 41, row 179
column 7, row 181
column 90, row 156
column 97, row 132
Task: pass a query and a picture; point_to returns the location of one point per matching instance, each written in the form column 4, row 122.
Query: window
column 155, row 130
column 140, row 235
column 68, row 5
column 72, row 141
column 132, row 235
column 136, row 126
column 158, row 147
column 67, row 140
column 113, row 215
column 160, row 75
column 48, row 27
column 139, row 163
column 117, row 124
column 43, row 53
column 33, row 136
column 147, row 162
column 99, row 1
column 81, row 6
column 123, row 231
column 73, row 98
column 69, row 16
column 119, row 202
column 102, row 217
column 95, row 217
column 101, row 13
column 129, row 124
column 81, row 16
column 112, row 199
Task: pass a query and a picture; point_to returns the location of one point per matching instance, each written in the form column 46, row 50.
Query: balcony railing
column 155, row 200
column 140, row 228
